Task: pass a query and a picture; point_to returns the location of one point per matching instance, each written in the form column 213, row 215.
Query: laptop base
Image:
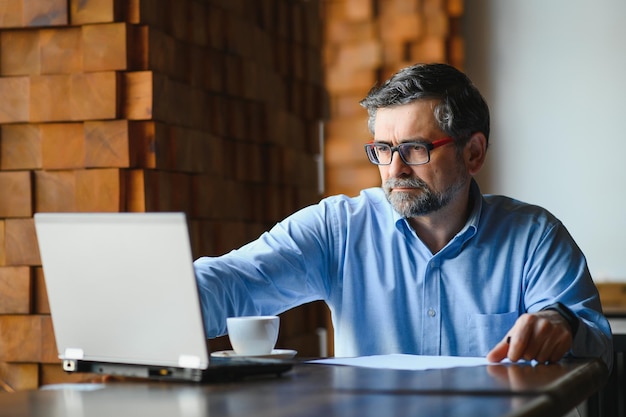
column 220, row 370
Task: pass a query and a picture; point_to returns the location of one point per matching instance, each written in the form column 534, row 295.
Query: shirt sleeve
column 558, row 272
column 283, row 268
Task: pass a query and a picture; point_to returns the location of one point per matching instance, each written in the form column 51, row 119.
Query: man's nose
column 397, row 167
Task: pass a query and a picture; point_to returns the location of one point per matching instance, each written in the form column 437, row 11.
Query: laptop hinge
column 188, row 361
column 73, row 353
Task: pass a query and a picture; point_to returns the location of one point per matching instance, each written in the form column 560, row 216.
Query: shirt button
column 431, row 312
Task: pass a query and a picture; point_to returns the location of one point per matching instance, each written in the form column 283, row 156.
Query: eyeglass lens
column 411, row 153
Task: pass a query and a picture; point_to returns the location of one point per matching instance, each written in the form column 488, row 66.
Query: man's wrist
column 567, row 314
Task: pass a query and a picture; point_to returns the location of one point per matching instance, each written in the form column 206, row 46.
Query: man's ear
column 475, row 152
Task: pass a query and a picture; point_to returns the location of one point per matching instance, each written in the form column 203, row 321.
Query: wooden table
column 329, row 390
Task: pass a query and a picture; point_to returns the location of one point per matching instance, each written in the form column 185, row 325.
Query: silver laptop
column 124, row 301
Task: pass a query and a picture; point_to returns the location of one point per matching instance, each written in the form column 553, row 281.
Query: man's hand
column 544, row 336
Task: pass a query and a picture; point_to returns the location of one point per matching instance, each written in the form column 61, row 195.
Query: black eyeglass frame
column 429, row 146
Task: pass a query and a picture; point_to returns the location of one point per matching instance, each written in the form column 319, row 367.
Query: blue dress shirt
column 388, row 293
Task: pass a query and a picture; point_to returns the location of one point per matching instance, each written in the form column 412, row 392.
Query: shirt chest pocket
column 486, row 330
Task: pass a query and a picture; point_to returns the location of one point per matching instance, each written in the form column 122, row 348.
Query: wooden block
column 398, row 28
column 231, row 206
column 456, row 51
column 45, row 13
column 142, row 144
column 397, row 53
column 94, row 11
column 612, row 296
column 429, row 49
column 107, row 144
column 241, row 157
column 178, row 19
column 11, row 13
column 204, row 190
column 282, row 19
column 197, row 70
column 313, row 131
column 27, row 338
column 214, row 67
column 138, row 94
column 15, row 189
column 14, row 106
column 131, row 10
column 158, row 50
column 345, row 81
column 136, row 191
column 163, row 147
column 48, row 98
column 49, row 351
column 63, row 145
column 272, row 203
column 21, row 246
column 99, row 190
column 16, row 289
column 230, row 235
column 150, row 13
column 180, row 184
column 401, row 7
column 307, row 196
column 438, row 24
column 214, row 163
column 238, row 36
column 202, row 237
column 157, row 190
column 19, row 52
column 345, row 138
column 40, row 298
column 20, row 147
column 198, row 23
column 19, row 376
column 345, row 31
column 105, row 47
column 21, row 338
column 189, row 149
column 351, row 179
column 455, row 8
column 358, row 10
column 235, row 118
column 94, row 96
column 55, row 191
column 306, row 170
column 61, row 51
column 217, row 27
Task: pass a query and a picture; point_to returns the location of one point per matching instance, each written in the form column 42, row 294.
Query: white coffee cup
column 253, row 335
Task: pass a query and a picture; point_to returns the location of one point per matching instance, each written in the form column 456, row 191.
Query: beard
column 409, row 204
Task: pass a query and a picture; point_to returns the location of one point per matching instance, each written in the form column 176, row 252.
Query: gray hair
column 461, row 111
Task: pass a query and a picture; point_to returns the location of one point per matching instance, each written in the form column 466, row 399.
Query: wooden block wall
column 210, row 107
column 365, row 42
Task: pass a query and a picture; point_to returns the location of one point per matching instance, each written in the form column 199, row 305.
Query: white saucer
column 276, row 354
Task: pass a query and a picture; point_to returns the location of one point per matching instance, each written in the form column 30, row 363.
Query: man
column 425, row 264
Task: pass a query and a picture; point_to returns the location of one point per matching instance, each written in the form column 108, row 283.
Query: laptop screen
column 121, row 288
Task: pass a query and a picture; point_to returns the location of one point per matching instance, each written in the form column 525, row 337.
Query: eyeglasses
column 412, row 153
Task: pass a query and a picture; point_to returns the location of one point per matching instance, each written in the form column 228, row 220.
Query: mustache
column 404, row 183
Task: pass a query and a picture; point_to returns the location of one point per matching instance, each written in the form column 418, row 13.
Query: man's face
column 415, row 190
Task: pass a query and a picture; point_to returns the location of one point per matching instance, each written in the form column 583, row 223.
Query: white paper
column 406, row 362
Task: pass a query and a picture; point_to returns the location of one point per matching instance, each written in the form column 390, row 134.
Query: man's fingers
column 538, row 336
column 499, row 351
